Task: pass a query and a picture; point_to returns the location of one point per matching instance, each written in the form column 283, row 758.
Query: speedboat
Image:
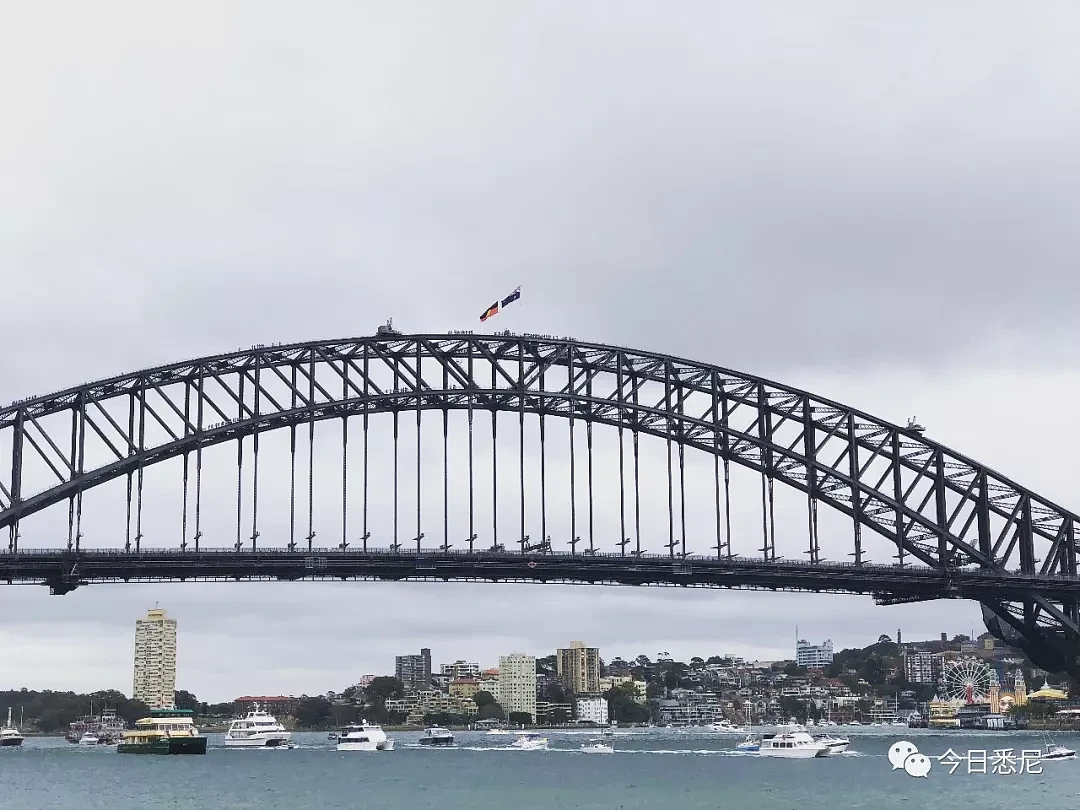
column 748, row 745
column 436, row 735
column 9, row 735
column 364, row 737
column 527, row 741
column 1054, row 751
column 834, row 745
column 603, row 745
column 89, row 739
column 497, row 732
column 792, row 742
column 257, row 729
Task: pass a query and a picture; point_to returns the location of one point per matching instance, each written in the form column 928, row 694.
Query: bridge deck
column 64, row 570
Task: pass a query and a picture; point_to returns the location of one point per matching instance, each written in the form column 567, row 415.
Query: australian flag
column 514, row 296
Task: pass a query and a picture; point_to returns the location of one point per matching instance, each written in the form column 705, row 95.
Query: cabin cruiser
column 436, row 735
column 498, row 732
column 257, row 729
column 527, row 741
column 364, row 737
column 834, row 745
column 89, row 738
column 9, row 735
column 792, row 742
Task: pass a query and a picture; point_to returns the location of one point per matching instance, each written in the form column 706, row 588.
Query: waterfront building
column 809, row 655
column 579, row 668
column 548, row 713
column 592, row 710
column 517, row 683
column 464, row 688
column 155, row 660
column 490, row 683
column 416, row 705
column 461, row 669
column 414, row 671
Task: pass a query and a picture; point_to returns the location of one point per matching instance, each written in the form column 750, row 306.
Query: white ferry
column 257, row 729
column 364, row 737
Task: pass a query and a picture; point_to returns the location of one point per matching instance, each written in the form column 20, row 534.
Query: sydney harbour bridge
column 512, row 457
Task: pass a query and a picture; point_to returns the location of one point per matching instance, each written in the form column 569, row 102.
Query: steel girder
column 938, row 508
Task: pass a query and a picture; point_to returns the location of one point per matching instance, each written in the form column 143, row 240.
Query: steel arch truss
column 937, row 508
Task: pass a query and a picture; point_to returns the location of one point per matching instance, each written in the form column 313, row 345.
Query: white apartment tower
column 155, row 660
column 517, row 684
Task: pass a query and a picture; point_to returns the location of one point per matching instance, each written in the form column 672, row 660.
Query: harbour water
column 652, row 768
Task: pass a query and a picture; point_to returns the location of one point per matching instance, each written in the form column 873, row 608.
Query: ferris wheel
column 966, row 679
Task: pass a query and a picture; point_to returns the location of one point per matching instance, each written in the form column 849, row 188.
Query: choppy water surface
column 652, row 768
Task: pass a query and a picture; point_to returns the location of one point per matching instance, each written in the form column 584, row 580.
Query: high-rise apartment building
column 921, row 666
column 414, row 671
column 155, row 660
column 810, row 655
column 579, row 668
column 517, row 683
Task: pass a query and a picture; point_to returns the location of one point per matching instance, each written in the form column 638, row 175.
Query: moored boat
column 364, row 737
column 257, row 729
column 89, row 739
column 165, row 731
column 436, row 735
column 9, row 735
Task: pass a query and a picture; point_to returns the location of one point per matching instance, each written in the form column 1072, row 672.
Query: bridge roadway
column 65, row 570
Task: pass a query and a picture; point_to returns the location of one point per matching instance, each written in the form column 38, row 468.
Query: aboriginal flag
column 490, row 312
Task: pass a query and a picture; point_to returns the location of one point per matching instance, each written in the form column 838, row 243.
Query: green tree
column 313, row 712
column 382, row 688
column 490, row 711
column 185, row 700
column 483, row 698
column 623, row 706
column 520, row 718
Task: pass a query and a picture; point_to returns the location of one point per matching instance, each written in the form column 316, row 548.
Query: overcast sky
column 872, row 201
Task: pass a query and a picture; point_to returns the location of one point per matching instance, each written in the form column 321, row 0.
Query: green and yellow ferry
column 165, row 731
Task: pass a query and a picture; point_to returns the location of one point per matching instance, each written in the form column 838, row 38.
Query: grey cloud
column 875, row 204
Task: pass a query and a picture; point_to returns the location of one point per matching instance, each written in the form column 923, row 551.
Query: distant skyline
column 873, row 203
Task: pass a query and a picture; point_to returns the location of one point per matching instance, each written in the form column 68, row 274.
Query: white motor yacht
column 9, row 735
column 89, row 738
column 792, row 742
column 498, row 732
column 527, row 741
column 364, row 737
column 257, row 729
